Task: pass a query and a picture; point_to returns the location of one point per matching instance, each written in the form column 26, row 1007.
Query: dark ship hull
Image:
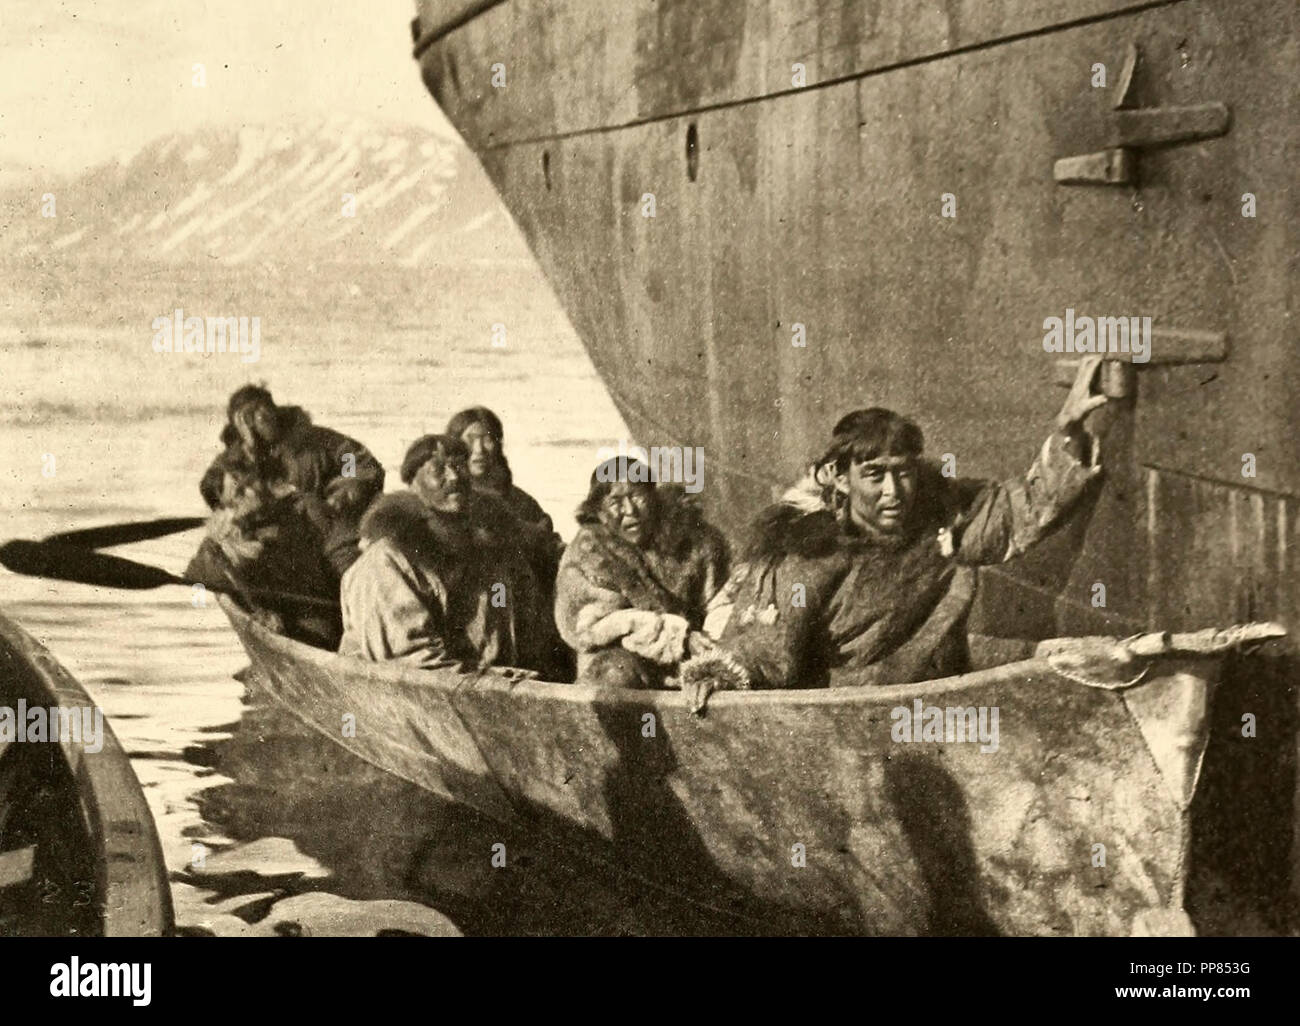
column 821, row 204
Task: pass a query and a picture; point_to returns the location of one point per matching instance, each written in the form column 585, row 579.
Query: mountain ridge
column 334, row 191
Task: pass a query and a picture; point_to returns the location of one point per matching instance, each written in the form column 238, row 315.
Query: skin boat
column 1071, row 799
column 79, row 853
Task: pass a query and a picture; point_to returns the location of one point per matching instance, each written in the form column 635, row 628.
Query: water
column 291, row 833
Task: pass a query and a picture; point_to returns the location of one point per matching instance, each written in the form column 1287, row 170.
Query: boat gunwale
column 451, row 682
column 109, row 796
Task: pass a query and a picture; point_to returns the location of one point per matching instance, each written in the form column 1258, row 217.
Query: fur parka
column 433, row 589
column 816, row 603
column 336, row 475
column 628, row 611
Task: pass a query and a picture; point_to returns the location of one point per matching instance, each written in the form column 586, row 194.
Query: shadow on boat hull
column 799, row 812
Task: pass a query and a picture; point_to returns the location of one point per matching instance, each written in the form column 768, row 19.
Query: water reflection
column 283, row 820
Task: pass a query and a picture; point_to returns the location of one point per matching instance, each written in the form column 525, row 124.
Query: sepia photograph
column 672, row 469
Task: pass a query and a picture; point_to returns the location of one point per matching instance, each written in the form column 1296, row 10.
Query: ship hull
column 823, row 207
column 747, row 257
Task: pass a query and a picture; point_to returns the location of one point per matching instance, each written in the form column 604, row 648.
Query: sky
column 84, row 81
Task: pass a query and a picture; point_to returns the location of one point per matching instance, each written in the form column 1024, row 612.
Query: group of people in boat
column 862, row 572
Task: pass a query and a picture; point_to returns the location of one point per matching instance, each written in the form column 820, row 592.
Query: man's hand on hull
column 1078, row 404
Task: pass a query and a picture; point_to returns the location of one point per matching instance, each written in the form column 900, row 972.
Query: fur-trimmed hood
column 679, row 526
column 292, row 420
column 393, row 516
column 419, row 532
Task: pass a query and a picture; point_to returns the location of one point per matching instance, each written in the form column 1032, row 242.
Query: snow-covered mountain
column 334, row 192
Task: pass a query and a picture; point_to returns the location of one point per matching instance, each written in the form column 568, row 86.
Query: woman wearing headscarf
column 489, row 471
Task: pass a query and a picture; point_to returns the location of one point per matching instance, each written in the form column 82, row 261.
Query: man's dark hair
column 868, row 434
column 603, row 479
column 245, row 395
column 424, row 449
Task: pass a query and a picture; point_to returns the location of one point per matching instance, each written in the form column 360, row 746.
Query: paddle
column 70, row 555
column 56, row 559
column 63, row 562
column 123, row 534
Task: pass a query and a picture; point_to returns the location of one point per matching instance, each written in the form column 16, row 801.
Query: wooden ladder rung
column 16, row 866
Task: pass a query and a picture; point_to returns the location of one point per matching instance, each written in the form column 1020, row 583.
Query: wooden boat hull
column 798, row 810
column 79, row 853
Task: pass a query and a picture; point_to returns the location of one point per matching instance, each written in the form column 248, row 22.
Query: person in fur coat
column 445, row 576
column 335, row 477
column 259, row 547
column 489, row 470
column 864, row 574
column 636, row 580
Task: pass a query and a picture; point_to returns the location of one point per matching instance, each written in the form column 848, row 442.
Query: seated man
column 869, row 580
column 261, row 548
column 444, row 575
column 636, row 581
column 334, row 477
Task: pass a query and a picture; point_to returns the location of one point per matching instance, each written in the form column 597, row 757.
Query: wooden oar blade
column 86, row 566
column 123, row 534
column 83, row 566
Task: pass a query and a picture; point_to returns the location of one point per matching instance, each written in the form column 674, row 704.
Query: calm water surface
column 294, row 831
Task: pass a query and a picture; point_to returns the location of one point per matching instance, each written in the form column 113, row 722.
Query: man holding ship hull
column 865, row 573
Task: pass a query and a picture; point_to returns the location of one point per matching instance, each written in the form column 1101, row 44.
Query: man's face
column 443, row 483
column 265, row 421
column 629, row 512
column 241, row 493
column 483, row 449
column 881, row 493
